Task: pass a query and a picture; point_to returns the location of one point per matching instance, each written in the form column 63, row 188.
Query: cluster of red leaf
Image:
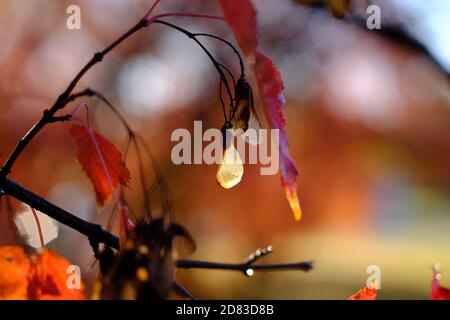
column 40, row 277
column 241, row 17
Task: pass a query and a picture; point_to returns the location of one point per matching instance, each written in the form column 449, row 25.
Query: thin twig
column 178, row 288
column 247, row 267
column 88, row 92
column 223, row 78
column 190, row 264
column 61, row 101
column 241, row 62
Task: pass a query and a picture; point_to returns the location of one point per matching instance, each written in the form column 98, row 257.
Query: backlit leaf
column 270, row 89
column 241, row 17
column 365, row 293
column 94, row 165
column 14, row 270
column 49, row 277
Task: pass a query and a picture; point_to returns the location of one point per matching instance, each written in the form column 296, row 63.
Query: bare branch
column 249, row 266
column 94, row 232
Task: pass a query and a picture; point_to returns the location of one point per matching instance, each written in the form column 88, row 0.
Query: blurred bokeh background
column 368, row 117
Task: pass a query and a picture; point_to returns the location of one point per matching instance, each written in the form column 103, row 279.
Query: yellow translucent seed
column 231, row 169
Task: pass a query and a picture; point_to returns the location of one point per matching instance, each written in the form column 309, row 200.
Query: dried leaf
column 94, row 165
column 244, row 115
column 241, row 114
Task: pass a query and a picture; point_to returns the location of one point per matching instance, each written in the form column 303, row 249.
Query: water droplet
column 249, row 272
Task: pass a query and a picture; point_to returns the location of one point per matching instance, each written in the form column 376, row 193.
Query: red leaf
column 48, row 279
column 364, row 294
column 88, row 155
column 271, row 91
column 241, row 17
column 14, row 269
column 438, row 292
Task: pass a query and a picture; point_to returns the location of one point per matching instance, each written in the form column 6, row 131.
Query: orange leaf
column 48, row 279
column 438, row 292
column 365, row 293
column 271, row 91
column 94, row 165
column 14, row 269
column 241, row 17
column 44, row 277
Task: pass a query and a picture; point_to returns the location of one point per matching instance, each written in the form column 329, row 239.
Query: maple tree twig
column 249, row 266
column 96, row 235
column 62, row 101
column 66, row 97
column 192, row 36
column 241, row 61
column 88, row 92
column 190, row 264
column 93, row 231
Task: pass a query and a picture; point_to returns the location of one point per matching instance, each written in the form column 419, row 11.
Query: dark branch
column 93, row 231
column 96, row 235
column 248, row 266
column 241, row 62
column 189, row 264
